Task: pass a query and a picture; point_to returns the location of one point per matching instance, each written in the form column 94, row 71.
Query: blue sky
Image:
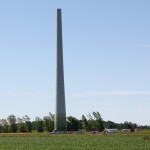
column 106, row 58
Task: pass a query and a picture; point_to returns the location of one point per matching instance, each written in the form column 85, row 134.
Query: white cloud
column 145, row 46
column 121, row 93
column 24, row 94
column 111, row 93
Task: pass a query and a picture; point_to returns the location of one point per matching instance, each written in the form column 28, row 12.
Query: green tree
column 91, row 123
column 85, row 124
column 4, row 125
column 99, row 123
column 12, row 123
column 95, row 121
column 22, row 127
column 48, row 123
column 110, row 124
column 27, row 122
column 72, row 123
column 39, row 124
column 29, row 126
column 130, row 125
column 33, row 125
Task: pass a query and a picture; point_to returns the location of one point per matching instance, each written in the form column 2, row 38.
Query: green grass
column 45, row 141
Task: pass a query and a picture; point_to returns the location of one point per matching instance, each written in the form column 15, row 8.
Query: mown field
column 46, row 141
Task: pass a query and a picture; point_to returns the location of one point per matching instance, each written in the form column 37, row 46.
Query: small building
column 126, row 130
column 110, row 131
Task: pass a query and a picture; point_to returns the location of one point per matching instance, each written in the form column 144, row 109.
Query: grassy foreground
column 46, row 141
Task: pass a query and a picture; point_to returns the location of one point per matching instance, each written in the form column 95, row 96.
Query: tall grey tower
column 60, row 115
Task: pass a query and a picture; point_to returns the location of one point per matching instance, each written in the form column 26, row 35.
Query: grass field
column 46, row 141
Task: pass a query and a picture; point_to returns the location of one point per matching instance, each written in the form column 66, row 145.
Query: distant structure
column 60, row 115
column 110, row 131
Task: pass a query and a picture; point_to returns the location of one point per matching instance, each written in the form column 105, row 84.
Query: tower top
column 58, row 10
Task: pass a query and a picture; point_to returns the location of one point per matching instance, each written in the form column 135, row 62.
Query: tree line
column 93, row 122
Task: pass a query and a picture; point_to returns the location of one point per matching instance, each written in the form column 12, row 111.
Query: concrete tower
column 60, row 115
